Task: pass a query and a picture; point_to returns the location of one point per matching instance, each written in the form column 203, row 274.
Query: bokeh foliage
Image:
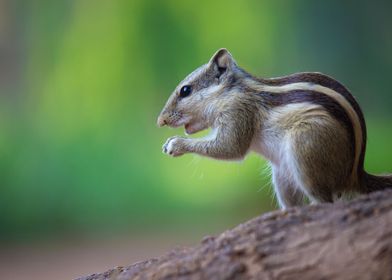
column 80, row 151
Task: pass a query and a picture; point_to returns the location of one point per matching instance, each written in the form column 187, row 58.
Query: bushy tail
column 376, row 182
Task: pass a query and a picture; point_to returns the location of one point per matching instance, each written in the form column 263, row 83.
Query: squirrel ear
column 223, row 60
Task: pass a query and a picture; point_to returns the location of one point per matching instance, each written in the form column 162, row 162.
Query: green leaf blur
column 85, row 81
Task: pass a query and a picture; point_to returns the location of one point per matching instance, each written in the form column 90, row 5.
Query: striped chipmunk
column 307, row 125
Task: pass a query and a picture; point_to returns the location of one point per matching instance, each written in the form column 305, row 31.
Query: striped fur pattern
column 307, row 125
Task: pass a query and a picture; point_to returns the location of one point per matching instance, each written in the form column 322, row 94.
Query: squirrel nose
column 161, row 121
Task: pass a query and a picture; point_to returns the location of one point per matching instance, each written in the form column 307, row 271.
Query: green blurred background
column 82, row 83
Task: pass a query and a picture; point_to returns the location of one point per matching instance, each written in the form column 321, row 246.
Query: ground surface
column 70, row 258
column 351, row 240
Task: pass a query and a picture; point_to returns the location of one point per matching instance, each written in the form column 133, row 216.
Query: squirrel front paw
column 174, row 146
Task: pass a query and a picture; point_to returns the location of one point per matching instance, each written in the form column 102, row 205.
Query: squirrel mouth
column 191, row 128
column 188, row 128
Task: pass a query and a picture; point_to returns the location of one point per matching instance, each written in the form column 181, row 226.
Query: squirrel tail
column 373, row 183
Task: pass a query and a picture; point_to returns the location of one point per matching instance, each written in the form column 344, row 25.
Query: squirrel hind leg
column 320, row 173
column 287, row 193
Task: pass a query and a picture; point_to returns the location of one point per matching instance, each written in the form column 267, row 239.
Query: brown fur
column 326, row 81
column 307, row 135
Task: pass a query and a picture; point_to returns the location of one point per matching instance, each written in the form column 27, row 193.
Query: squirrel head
column 198, row 98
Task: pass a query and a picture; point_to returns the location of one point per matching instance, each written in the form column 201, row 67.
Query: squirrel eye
column 185, row 91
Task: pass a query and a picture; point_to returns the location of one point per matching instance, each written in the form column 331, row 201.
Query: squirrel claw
column 173, row 146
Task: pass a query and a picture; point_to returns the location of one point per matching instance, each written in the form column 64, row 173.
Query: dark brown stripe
column 326, row 81
column 274, row 99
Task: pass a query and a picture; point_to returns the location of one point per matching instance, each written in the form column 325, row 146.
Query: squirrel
column 307, row 125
